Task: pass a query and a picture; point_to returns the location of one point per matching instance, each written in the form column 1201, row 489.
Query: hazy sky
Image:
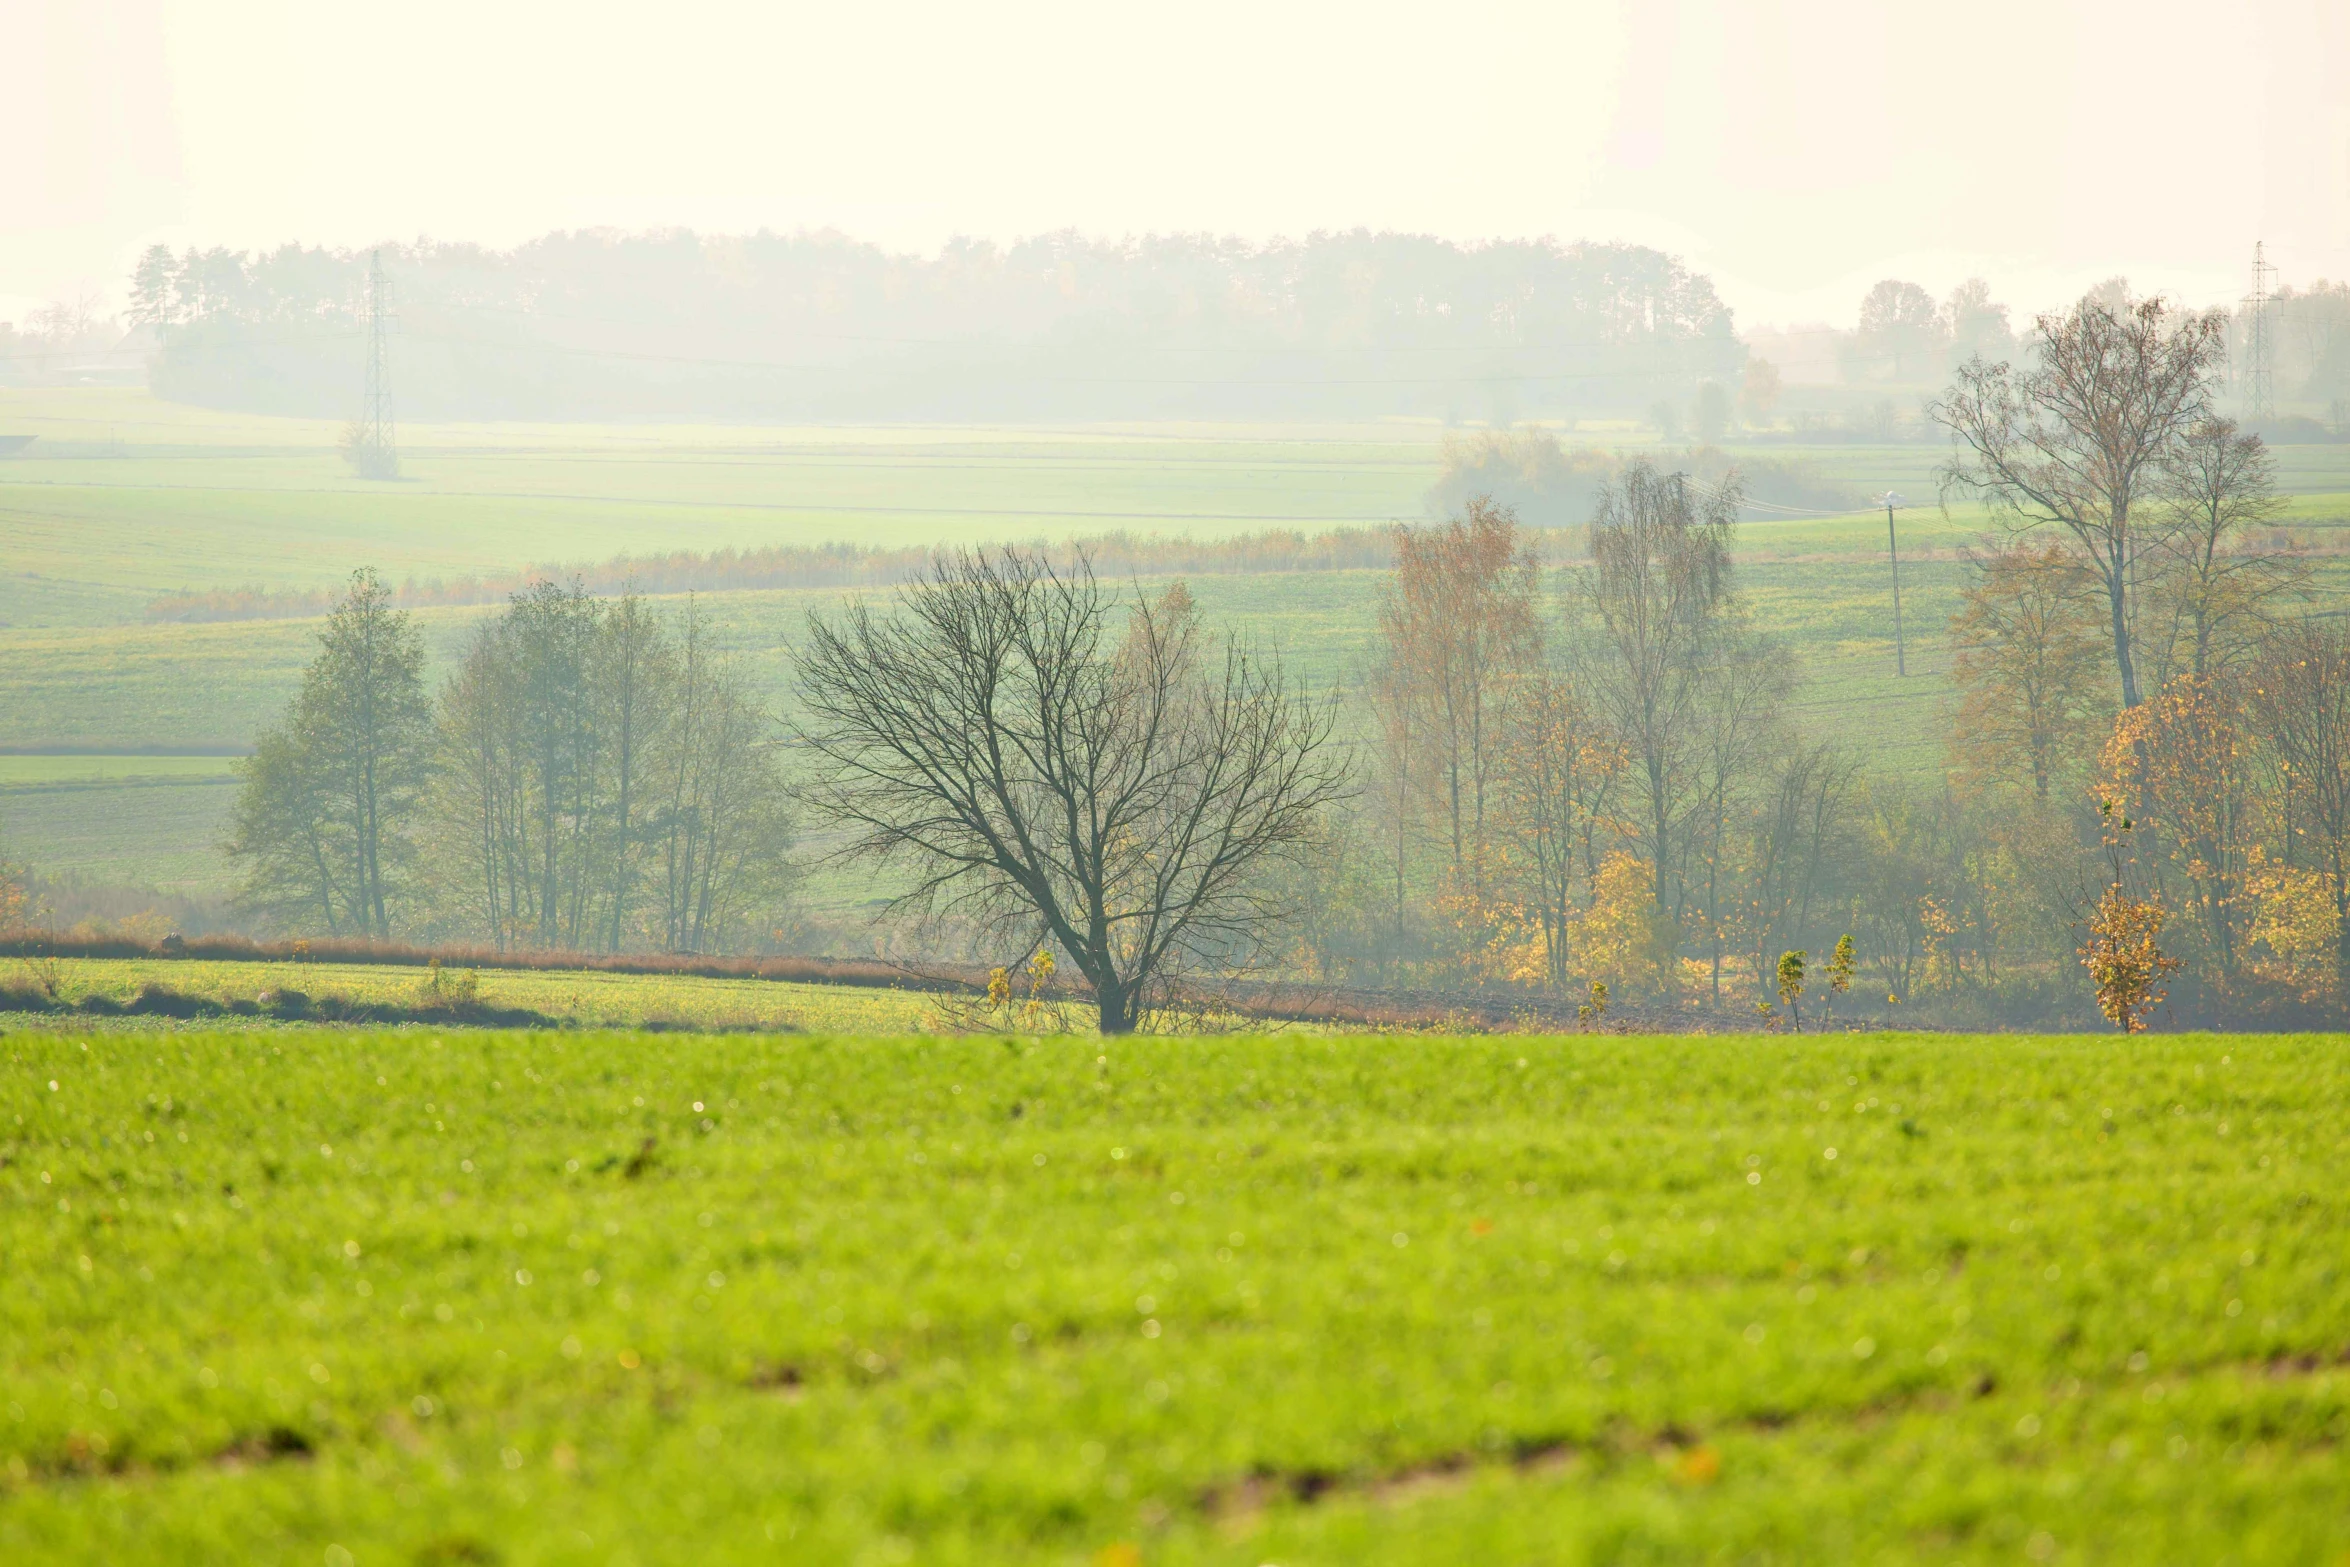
column 1795, row 152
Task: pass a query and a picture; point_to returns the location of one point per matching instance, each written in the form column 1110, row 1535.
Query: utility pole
column 1893, row 550
column 377, row 455
column 2259, row 373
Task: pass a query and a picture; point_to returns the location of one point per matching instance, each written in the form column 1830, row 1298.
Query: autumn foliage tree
column 1458, row 625
column 2125, row 960
column 2179, row 765
column 2029, row 649
column 1790, row 978
column 16, row 898
column 1560, row 767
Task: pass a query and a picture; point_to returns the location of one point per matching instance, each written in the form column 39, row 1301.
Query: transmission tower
column 377, row 457
column 2259, row 374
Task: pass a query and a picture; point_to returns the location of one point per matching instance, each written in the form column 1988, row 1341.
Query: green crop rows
column 392, row 1296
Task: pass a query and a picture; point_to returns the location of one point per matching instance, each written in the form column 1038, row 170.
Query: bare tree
column 1739, row 731
column 2209, row 594
column 2075, row 440
column 631, row 669
column 1791, row 846
column 481, row 789
column 717, row 830
column 1116, row 792
column 1651, row 620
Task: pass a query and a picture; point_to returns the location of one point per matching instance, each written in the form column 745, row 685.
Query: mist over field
column 767, row 423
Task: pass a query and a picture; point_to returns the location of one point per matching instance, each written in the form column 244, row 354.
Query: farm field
column 376, row 1296
column 141, row 497
column 141, row 821
column 589, row 998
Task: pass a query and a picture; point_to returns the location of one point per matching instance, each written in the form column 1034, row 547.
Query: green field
column 137, row 498
column 376, row 1296
column 145, row 497
column 138, row 821
column 586, row 997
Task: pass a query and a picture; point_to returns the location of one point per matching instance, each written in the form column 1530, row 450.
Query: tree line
column 589, row 777
column 1586, row 779
column 1592, row 776
column 821, row 326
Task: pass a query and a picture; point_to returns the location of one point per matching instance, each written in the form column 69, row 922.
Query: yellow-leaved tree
column 2125, row 961
column 2178, row 764
column 1623, row 938
column 2029, row 665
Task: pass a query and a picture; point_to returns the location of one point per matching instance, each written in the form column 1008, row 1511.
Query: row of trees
column 1905, row 332
column 588, row 777
column 818, row 325
column 1594, row 784
column 1563, row 779
column 1600, row 780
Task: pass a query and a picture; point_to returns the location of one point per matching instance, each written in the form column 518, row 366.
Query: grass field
column 139, row 821
column 196, row 499
column 586, row 997
column 370, row 1297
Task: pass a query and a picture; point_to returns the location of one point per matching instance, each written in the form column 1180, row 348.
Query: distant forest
column 818, row 326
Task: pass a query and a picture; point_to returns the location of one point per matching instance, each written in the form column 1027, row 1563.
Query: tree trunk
column 2116, row 600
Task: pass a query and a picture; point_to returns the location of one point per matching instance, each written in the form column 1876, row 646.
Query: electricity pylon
column 374, row 451
column 2259, row 372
